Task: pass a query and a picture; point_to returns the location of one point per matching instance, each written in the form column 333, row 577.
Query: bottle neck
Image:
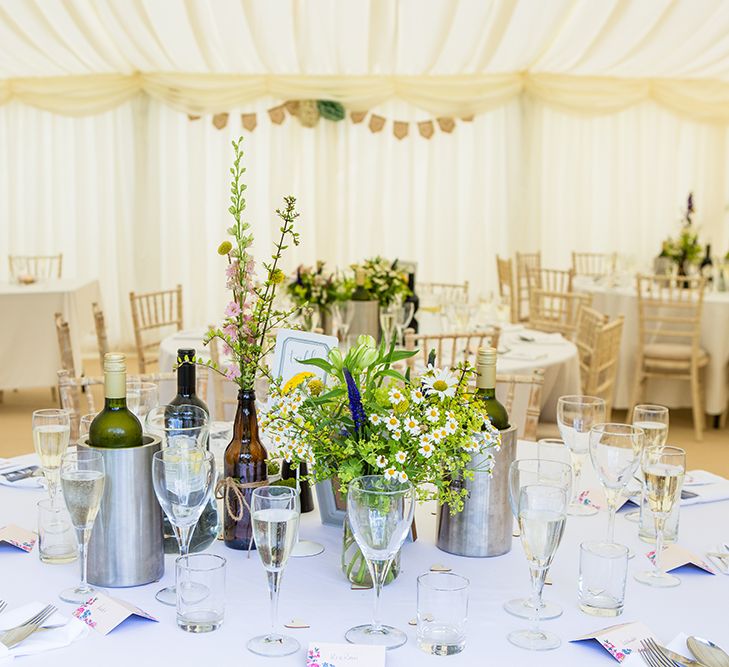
column 246, row 420
column 115, row 389
column 186, row 380
column 486, row 381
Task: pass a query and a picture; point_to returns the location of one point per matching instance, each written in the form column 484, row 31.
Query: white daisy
column 432, row 414
column 401, row 456
column 396, row 396
column 412, row 426
column 443, row 433
column 426, row 449
column 451, row 426
column 450, row 415
column 395, row 434
column 417, row 396
column 442, row 382
column 381, row 461
column 375, row 419
column 436, row 436
column 403, row 476
column 390, row 473
column 392, row 422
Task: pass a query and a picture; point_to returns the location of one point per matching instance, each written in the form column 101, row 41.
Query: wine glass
column 134, row 388
column 342, row 316
column 179, row 425
column 147, row 399
column 576, row 415
column 528, row 472
column 51, row 434
column 380, row 513
column 82, row 480
column 388, row 317
column 653, row 419
column 542, row 513
column 404, row 315
column 183, row 478
column 275, row 514
column 663, row 469
column 615, row 451
column 84, row 424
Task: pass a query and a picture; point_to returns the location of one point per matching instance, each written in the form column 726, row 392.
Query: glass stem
column 612, row 511
column 538, row 577
column 83, row 535
column 274, row 581
column 660, row 524
column 577, row 473
column 52, row 478
column 378, row 571
column 184, row 537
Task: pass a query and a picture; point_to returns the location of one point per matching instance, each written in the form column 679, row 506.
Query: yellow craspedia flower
column 277, row 277
column 315, row 387
column 296, row 381
column 225, row 247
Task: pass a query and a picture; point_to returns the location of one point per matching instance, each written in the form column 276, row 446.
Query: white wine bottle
column 115, row 426
column 486, row 388
column 366, row 318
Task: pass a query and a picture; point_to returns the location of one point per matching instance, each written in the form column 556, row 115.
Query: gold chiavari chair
column 450, row 348
column 101, row 338
column 521, row 395
column 65, row 349
column 554, row 311
column 669, row 332
column 448, row 291
column 153, row 315
column 38, row 266
column 594, row 264
column 507, row 286
column 524, row 262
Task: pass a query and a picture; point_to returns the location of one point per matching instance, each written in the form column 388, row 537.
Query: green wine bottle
column 486, row 388
column 115, row 426
column 361, row 293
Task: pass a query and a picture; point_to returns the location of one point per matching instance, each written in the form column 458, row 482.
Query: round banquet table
column 623, row 300
column 558, row 358
column 315, row 591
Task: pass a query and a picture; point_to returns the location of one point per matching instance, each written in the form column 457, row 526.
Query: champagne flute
column 183, row 478
column 664, row 469
column 134, row 389
column 615, row 451
column 542, row 516
column 405, row 314
column 275, row 514
column 51, row 434
column 528, row 472
column 342, row 316
column 653, row 419
column 380, row 513
column 576, row 415
column 388, row 318
column 82, row 480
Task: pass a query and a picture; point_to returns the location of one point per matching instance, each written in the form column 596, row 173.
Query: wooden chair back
column 524, row 262
column 100, row 324
column 551, row 280
column 598, row 379
column 507, row 286
column 450, row 348
column 65, row 349
column 153, row 315
column 594, row 264
column 521, row 395
column 555, row 311
column 219, row 385
column 447, row 291
column 587, row 328
column 38, row 266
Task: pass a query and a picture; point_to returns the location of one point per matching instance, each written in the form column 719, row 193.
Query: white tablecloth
column 616, row 301
column 28, row 338
column 315, row 591
column 558, row 359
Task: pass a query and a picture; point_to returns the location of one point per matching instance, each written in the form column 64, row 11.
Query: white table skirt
column 616, row 301
column 315, row 590
column 559, row 361
column 28, row 336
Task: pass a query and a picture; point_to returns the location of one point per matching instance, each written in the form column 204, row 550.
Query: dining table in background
column 28, row 341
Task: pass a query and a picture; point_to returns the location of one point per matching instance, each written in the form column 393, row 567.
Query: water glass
column 200, row 586
column 56, row 539
column 601, row 584
column 442, row 612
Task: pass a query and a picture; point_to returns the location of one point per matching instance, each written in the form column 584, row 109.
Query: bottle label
column 115, row 384
column 486, row 377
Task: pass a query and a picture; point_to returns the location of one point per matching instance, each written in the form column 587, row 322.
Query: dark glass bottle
column 707, row 265
column 413, row 298
column 486, row 388
column 186, row 381
column 305, row 499
column 245, row 462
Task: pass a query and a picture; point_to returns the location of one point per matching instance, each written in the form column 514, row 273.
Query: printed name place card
column 675, row 556
column 619, row 641
column 344, row 655
column 18, row 537
column 293, row 346
column 104, row 613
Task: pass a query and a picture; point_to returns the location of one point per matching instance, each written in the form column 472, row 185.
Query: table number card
column 344, row 655
column 675, row 556
column 619, row 641
column 103, row 613
column 18, row 537
column 292, row 346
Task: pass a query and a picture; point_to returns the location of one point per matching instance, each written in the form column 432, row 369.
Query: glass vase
column 354, row 565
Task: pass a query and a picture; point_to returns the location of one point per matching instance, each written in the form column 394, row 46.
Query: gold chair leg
column 697, row 405
column 637, row 391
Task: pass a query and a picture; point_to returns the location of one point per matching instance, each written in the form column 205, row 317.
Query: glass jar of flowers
column 370, row 419
column 314, row 291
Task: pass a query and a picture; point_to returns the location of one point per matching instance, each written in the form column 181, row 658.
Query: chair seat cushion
column 673, row 352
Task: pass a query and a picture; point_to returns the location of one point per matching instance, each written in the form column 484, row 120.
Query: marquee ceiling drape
column 448, row 57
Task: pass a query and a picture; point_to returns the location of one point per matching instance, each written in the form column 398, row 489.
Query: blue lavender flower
column 355, row 402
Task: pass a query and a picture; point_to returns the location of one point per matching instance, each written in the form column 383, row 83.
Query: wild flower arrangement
column 312, row 286
column 384, row 281
column 685, row 247
column 251, row 313
column 374, row 420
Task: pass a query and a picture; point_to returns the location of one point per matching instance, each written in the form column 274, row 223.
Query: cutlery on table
column 707, row 652
column 14, row 636
column 652, row 656
column 3, row 604
column 671, row 656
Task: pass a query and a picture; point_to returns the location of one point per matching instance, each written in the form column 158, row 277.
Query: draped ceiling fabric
column 593, row 121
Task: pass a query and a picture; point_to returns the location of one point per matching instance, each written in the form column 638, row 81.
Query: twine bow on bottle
column 223, row 489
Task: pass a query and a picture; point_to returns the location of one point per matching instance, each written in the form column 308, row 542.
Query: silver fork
column 17, row 634
column 3, row 604
column 650, row 650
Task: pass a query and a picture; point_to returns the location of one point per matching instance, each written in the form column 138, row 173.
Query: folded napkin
column 44, row 640
column 541, row 337
column 709, row 488
column 28, row 482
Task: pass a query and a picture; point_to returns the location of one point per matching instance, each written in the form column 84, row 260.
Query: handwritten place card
column 104, row 613
column 619, row 641
column 18, row 537
column 292, row 346
column 344, row 655
column 675, row 556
